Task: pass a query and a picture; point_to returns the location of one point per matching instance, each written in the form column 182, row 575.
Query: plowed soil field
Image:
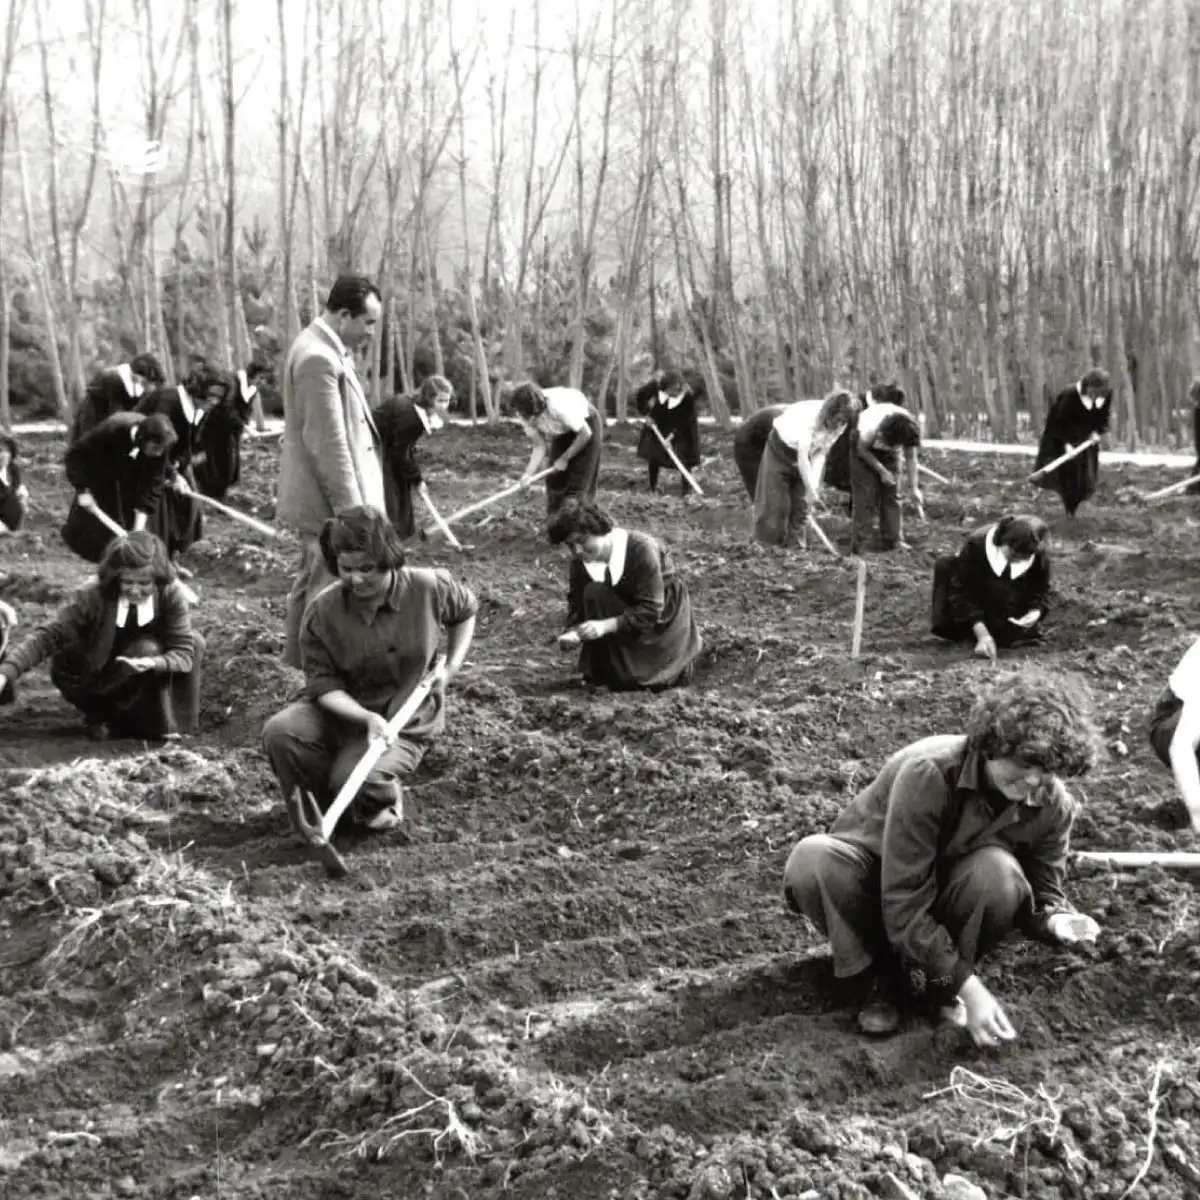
column 579, row 979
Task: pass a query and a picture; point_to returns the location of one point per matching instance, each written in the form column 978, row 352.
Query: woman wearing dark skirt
column 188, row 407
column 402, row 421
column 217, row 462
column 996, row 589
column 122, row 651
column 627, row 609
column 14, row 495
column 1077, row 413
column 566, row 431
column 750, row 441
column 120, row 466
column 115, row 389
column 669, row 403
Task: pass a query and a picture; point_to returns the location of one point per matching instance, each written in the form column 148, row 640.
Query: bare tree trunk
column 481, row 362
column 5, row 345
column 291, row 321
column 40, row 273
column 239, row 352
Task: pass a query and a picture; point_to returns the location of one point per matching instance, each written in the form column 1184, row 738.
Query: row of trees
column 979, row 199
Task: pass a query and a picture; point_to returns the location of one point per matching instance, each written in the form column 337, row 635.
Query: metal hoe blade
column 306, row 818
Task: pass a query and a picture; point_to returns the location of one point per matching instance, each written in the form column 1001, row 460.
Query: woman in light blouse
column 567, row 433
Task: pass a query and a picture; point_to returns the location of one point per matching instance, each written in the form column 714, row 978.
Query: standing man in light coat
column 331, row 449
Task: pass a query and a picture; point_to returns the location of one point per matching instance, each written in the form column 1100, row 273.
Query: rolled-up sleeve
column 916, row 811
column 1044, row 862
column 318, row 656
column 456, row 602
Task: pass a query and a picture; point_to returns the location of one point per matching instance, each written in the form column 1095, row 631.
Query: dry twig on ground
column 1155, row 1100
column 1007, row 1115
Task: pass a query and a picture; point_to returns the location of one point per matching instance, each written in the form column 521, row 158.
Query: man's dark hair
column 349, row 293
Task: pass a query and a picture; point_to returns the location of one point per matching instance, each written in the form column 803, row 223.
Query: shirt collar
column 671, row 401
column 144, row 611
column 998, row 562
column 389, row 600
column 1090, row 402
column 430, row 421
column 125, row 373
column 191, row 413
column 971, row 778
column 334, row 337
column 247, row 389
column 615, row 567
column 133, row 438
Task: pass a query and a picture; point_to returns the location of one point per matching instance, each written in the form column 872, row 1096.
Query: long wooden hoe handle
column 495, row 498
column 375, row 749
column 236, row 515
column 666, row 445
column 1094, row 440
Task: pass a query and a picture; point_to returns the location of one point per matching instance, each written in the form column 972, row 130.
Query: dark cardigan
column 81, row 634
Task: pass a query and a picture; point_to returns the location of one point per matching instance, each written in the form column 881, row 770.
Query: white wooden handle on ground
column 1094, row 440
column 245, row 518
column 105, row 519
column 1141, row 858
column 933, row 474
column 496, row 497
column 447, row 532
column 1173, row 489
column 375, row 750
column 812, row 524
column 666, row 445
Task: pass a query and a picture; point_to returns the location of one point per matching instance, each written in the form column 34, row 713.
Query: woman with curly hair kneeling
column 123, row 650
column 959, row 839
column 627, row 609
column 366, row 641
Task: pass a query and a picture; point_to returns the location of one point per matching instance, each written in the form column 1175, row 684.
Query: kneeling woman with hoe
column 367, row 642
column 123, row 650
column 628, row 610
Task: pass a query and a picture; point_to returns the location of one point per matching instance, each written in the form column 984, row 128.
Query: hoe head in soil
column 307, row 816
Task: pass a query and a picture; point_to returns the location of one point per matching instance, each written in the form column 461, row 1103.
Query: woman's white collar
column 615, row 567
column 998, row 562
column 1090, row 402
column 145, row 611
column 132, row 387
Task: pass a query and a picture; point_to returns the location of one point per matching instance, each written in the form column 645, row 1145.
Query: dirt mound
column 578, row 978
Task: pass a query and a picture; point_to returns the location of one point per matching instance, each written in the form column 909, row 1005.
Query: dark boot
column 879, row 1015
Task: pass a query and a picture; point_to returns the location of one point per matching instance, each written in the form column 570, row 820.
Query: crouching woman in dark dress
column 996, row 589
column 122, row 650
column 120, row 466
column 628, row 611
column 960, row 839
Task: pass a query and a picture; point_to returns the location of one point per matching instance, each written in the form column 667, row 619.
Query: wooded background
column 978, row 198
